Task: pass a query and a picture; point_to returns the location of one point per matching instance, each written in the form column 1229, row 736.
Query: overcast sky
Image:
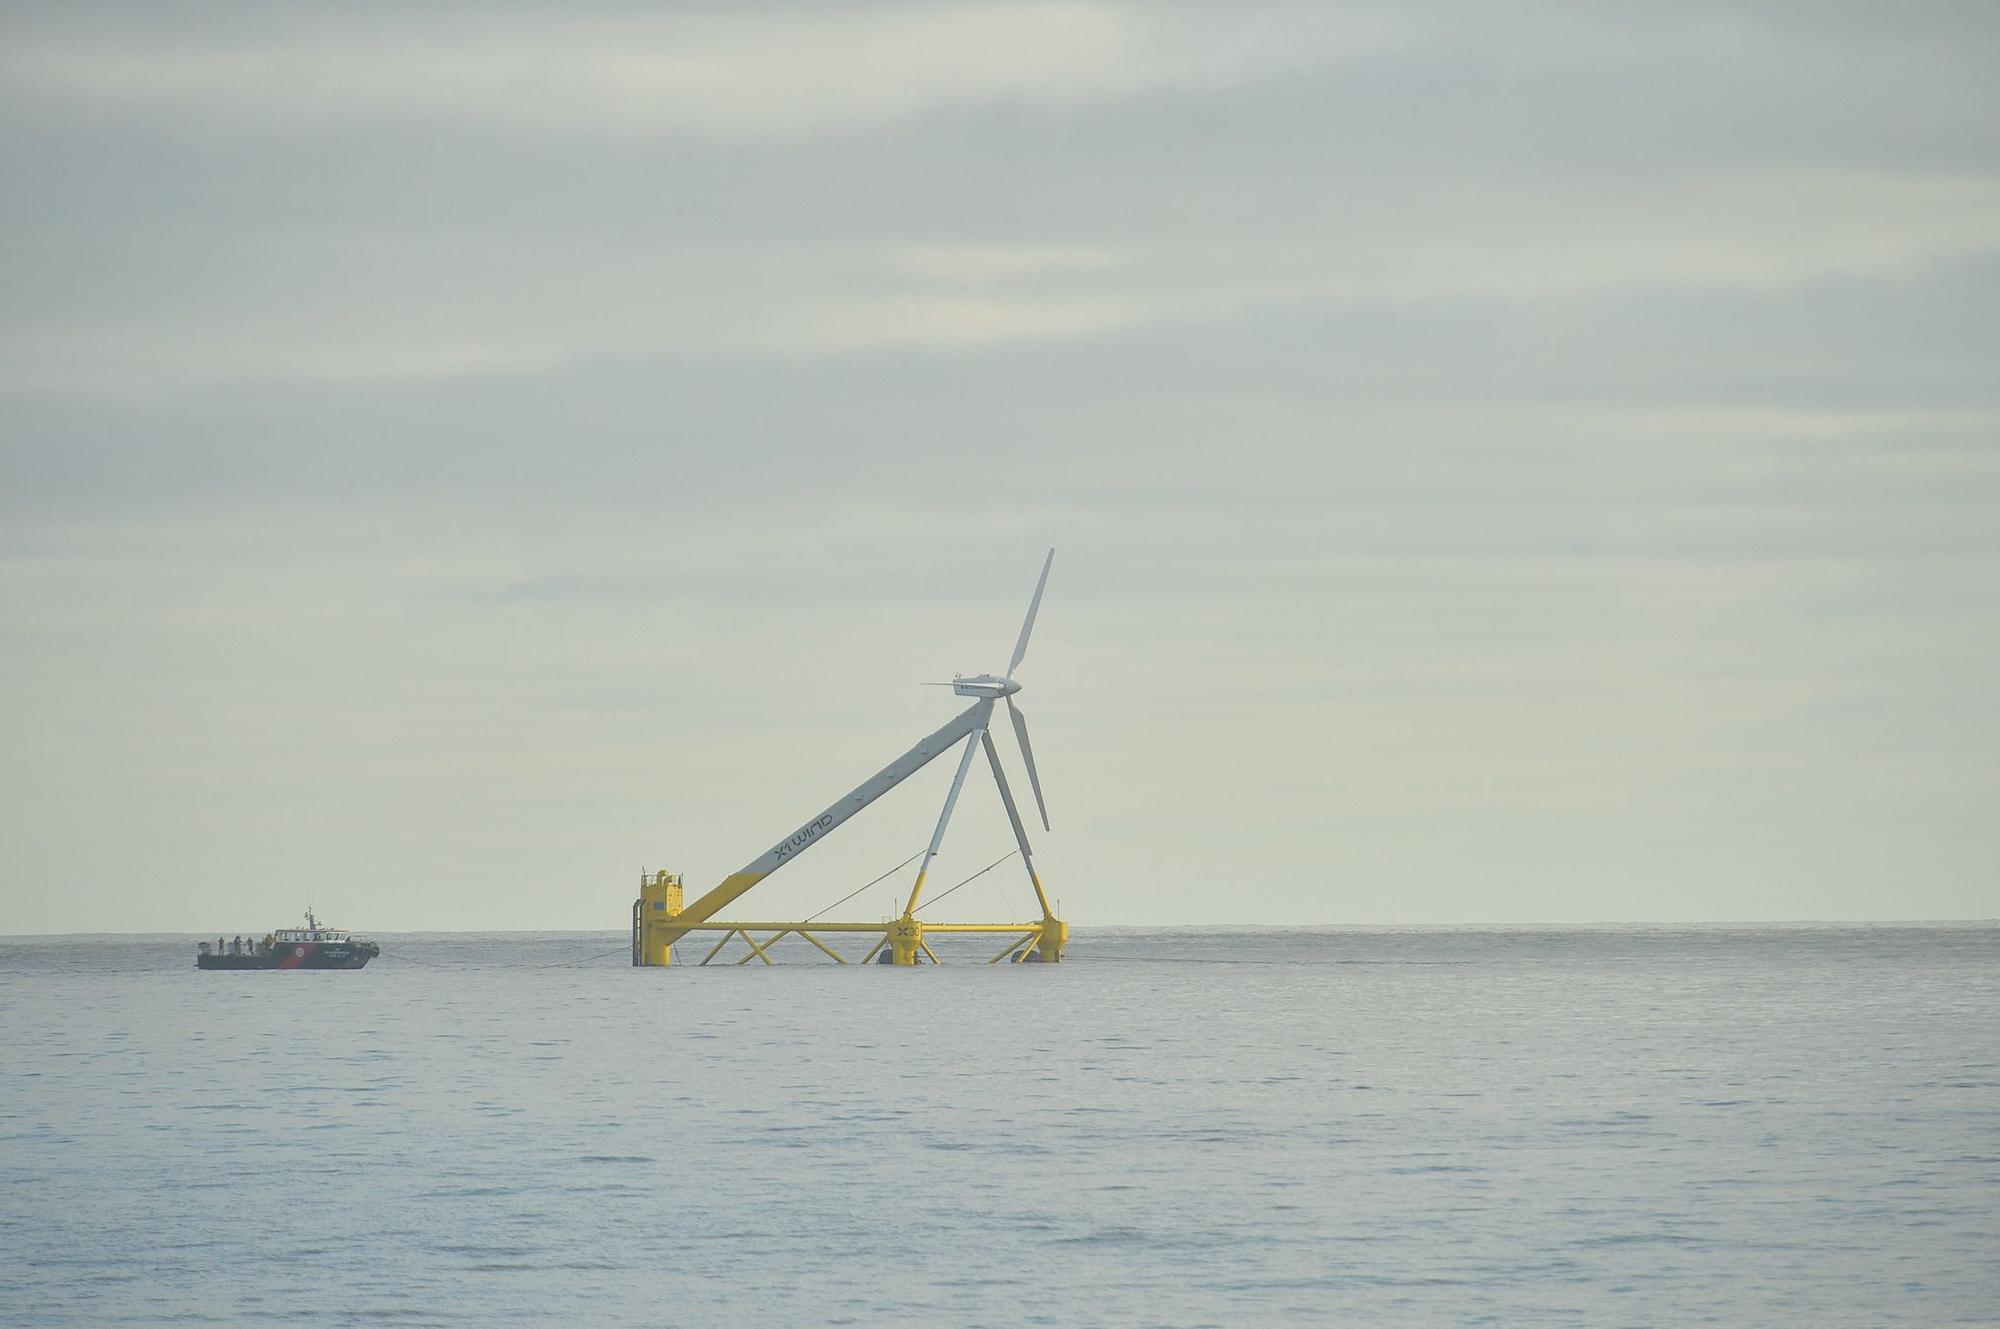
column 1507, row 463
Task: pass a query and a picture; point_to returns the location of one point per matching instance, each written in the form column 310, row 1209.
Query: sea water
column 1635, row 1126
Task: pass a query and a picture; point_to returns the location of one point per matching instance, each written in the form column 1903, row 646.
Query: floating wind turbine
column 654, row 937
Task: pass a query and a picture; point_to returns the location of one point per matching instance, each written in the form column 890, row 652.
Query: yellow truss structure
column 1026, row 942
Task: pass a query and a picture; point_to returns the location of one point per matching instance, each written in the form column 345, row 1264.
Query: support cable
column 857, row 890
column 974, row 877
column 1006, row 898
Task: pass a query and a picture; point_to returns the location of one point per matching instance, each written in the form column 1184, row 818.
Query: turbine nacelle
column 984, row 685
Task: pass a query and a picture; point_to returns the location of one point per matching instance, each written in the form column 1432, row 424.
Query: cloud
column 357, row 195
column 730, row 75
column 331, row 305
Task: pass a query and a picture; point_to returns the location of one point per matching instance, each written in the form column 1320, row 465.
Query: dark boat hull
column 295, row 955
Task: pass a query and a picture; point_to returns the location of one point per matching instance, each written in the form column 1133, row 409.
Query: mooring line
column 626, row 949
column 433, row 964
column 400, row 958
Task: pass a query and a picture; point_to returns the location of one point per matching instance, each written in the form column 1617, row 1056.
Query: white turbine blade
column 1027, row 626
column 1028, row 757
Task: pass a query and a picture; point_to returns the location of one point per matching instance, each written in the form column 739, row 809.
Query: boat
column 314, row 946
